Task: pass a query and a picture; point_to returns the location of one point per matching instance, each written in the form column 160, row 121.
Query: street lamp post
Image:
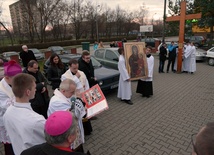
column 164, row 21
column 97, row 24
column 153, row 25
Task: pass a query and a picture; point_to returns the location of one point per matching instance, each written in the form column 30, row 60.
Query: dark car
column 197, row 40
column 57, row 50
column 38, row 54
column 108, row 57
column 108, row 79
column 150, row 41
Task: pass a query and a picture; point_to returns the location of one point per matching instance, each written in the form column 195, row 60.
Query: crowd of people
column 171, row 53
column 26, row 110
column 31, row 122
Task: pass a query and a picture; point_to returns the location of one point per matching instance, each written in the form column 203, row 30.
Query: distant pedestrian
column 24, row 126
column 172, row 56
column 144, row 85
column 95, row 45
column 55, row 71
column 162, row 57
column 100, row 45
column 112, row 44
column 124, row 88
column 26, row 55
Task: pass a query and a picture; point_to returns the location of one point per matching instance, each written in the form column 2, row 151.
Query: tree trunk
column 8, row 32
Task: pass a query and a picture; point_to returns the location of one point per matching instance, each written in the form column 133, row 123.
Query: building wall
column 20, row 18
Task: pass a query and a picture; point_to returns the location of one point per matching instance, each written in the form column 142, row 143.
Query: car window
column 57, row 48
column 110, row 55
column 99, row 53
column 95, row 63
column 212, row 50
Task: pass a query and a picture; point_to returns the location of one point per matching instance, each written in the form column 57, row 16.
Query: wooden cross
column 182, row 19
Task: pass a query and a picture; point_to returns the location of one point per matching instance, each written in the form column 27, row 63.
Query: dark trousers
column 161, row 65
column 8, row 149
column 171, row 60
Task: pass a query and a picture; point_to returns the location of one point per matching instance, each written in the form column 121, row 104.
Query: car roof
column 70, row 56
column 11, row 52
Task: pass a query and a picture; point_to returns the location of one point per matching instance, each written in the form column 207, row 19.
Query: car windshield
column 95, row 63
column 57, row 48
column 10, row 53
column 35, row 51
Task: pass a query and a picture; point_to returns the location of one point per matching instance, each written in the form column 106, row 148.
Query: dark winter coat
column 46, row 149
column 54, row 75
column 163, row 53
column 40, row 99
column 88, row 69
column 26, row 57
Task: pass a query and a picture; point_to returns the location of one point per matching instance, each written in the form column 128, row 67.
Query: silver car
column 200, row 54
column 108, row 57
column 38, row 54
column 7, row 55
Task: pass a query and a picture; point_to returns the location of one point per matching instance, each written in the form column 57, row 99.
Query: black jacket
column 46, row 149
column 163, row 53
column 26, row 57
column 88, row 69
column 40, row 99
column 54, row 75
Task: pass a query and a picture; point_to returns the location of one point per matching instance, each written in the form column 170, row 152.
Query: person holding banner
column 144, row 85
column 124, row 88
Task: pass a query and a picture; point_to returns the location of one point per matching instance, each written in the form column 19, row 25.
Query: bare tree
column 45, row 8
column 77, row 17
column 2, row 23
column 92, row 16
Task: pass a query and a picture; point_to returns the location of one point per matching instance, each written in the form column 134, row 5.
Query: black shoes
column 147, row 96
column 128, row 102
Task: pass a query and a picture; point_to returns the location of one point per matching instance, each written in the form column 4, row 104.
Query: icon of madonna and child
column 136, row 59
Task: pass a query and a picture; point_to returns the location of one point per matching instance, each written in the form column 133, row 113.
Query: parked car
column 149, row 41
column 197, row 40
column 200, row 54
column 57, row 50
column 7, row 55
column 38, row 54
column 107, row 79
column 210, row 56
column 108, row 57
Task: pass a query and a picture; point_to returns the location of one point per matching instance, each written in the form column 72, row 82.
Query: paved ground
column 160, row 125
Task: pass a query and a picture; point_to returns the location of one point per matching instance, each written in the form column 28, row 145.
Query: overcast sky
column 155, row 7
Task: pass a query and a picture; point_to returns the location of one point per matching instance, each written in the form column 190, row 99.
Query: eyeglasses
column 193, row 140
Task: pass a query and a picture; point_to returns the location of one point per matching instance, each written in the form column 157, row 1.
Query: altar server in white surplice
column 192, row 63
column 124, row 89
column 186, row 58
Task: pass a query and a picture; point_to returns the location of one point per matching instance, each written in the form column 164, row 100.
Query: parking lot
column 162, row 124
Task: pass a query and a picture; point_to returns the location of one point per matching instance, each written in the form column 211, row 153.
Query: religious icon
column 135, row 57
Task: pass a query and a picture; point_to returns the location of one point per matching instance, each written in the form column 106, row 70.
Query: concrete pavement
column 160, row 125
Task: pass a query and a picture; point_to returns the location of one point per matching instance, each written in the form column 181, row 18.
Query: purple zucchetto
column 12, row 68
